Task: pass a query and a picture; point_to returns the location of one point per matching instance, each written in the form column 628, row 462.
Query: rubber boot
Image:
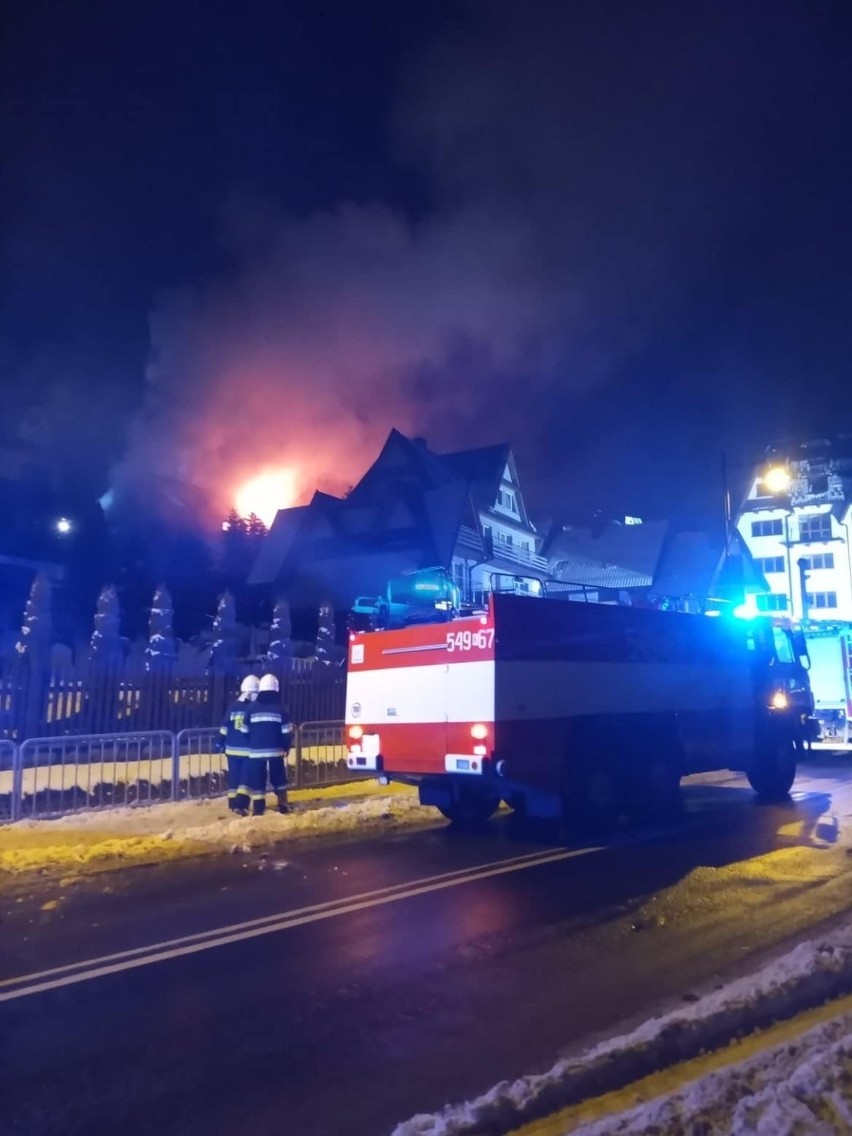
column 283, row 804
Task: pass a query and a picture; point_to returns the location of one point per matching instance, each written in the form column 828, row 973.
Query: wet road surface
column 340, row 988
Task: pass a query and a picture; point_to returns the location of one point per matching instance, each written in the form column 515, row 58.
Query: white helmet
column 269, row 682
column 249, row 685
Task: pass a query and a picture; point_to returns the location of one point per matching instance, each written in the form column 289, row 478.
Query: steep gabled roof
column 405, row 512
column 482, row 470
column 632, row 549
column 276, row 545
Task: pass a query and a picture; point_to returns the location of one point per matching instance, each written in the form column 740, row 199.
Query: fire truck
column 830, row 651
column 583, row 711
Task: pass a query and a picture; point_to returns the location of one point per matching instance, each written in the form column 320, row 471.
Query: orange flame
column 266, row 493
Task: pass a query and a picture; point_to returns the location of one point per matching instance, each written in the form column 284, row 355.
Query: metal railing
column 197, row 769
column 321, row 755
column 61, row 775
column 49, row 777
column 10, row 781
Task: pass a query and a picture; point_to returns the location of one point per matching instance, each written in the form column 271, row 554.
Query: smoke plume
column 579, row 186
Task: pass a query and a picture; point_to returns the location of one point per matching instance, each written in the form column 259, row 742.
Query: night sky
column 618, row 235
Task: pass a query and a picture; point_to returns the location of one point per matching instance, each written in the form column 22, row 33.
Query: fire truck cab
column 579, row 710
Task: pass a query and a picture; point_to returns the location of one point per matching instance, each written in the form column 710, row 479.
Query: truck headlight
column 779, row 700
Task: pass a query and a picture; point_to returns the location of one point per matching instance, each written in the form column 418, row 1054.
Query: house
column 413, row 508
column 800, row 536
column 649, row 563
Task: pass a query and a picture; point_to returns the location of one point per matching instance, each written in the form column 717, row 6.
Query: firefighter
column 234, row 741
column 270, row 738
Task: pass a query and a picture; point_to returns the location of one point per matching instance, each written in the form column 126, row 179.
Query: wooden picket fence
column 36, row 703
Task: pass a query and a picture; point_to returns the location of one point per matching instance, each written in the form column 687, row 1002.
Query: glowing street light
column 64, row 526
column 777, row 480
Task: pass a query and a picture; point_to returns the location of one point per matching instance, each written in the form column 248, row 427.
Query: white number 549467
column 470, row 640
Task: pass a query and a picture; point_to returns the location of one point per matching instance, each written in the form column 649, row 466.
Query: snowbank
column 802, row 1086
column 187, row 828
column 807, row 975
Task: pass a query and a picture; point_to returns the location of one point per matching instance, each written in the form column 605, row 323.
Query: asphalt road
column 340, row 988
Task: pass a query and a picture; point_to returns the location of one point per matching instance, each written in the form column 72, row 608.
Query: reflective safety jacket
column 270, row 728
column 234, row 731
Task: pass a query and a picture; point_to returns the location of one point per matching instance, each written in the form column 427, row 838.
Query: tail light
column 479, row 731
column 356, row 732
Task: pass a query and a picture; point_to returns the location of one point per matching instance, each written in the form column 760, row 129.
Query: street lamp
column 777, row 480
column 64, row 526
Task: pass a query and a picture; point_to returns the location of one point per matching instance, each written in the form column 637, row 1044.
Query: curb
column 614, row 1066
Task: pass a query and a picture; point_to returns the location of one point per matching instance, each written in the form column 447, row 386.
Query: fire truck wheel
column 655, row 790
column 593, row 798
column 774, row 769
column 470, row 807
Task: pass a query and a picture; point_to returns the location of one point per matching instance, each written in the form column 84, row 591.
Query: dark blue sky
column 617, row 234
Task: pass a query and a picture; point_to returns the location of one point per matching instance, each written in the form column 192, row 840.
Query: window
column 767, row 528
column 820, row 560
column 783, row 646
column 770, row 563
column 815, row 528
column 819, row 600
column 771, row 602
column 505, row 538
column 506, row 498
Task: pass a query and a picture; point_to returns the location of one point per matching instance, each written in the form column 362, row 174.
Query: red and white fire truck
column 579, row 710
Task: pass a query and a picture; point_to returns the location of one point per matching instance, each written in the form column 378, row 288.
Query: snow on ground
column 800, row 1088
column 812, row 971
column 173, row 829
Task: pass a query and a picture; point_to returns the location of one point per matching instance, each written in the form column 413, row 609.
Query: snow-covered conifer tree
column 325, row 633
column 106, row 637
column 162, row 649
column 36, row 632
column 224, row 654
column 280, row 644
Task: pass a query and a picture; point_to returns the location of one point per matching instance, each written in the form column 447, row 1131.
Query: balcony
column 470, row 542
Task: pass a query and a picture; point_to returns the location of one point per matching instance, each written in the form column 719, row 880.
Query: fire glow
column 265, row 494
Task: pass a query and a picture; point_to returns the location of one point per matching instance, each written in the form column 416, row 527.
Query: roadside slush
column 711, row 1089
column 774, row 1043
column 99, row 841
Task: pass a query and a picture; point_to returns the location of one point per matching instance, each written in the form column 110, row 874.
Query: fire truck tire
column 470, row 808
column 655, row 792
column 774, row 769
column 593, row 798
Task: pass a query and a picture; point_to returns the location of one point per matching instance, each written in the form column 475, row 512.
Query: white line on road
column 84, row 971
column 87, row 969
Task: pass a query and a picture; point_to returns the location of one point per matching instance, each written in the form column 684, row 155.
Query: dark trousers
column 254, row 779
column 236, row 779
column 278, row 774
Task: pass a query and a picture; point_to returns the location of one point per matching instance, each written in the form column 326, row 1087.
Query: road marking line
column 157, row 953
column 264, row 919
